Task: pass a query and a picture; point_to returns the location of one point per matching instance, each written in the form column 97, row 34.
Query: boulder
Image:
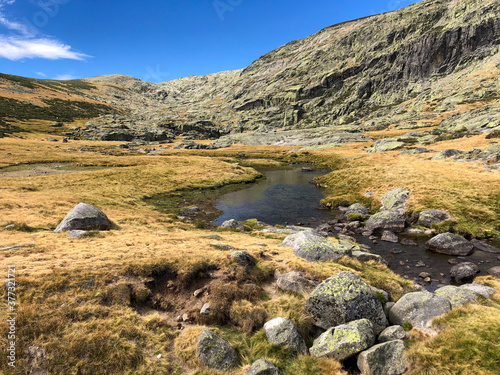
column 357, row 209
column 366, row 257
column 344, row 341
column 483, row 246
column 494, row 271
column 282, row 332
column 233, row 224
column 395, row 199
column 447, row 154
column 464, row 272
column 482, row 290
column 389, row 220
column 243, row 258
column 418, row 309
column 457, row 296
column 383, row 359
column 84, row 217
column 295, row 282
column 392, row 333
column 214, row 352
column 450, row 244
column 429, row 217
column 343, row 298
column 262, row 367
column 389, row 236
column 313, row 247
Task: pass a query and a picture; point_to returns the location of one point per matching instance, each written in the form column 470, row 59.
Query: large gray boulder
column 363, row 256
column 457, row 296
column 429, row 217
column 313, row 247
column 482, row 290
column 262, row 367
column 344, row 298
column 383, row 359
column 395, row 200
column 84, row 217
column 344, row 341
column 463, row 272
column 214, row 352
column 233, row 224
column 296, row 283
column 386, row 220
column 282, row 332
column 418, row 309
column 450, row 244
column 357, row 209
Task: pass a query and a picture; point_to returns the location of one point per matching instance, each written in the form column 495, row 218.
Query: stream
column 286, row 197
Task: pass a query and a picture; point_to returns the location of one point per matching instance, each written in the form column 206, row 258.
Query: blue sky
column 159, row 40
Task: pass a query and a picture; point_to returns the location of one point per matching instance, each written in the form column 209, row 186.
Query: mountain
column 434, row 63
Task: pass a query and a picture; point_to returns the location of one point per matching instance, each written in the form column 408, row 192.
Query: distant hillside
column 432, row 63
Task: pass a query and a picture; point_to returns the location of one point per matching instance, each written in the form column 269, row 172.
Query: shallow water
column 288, row 197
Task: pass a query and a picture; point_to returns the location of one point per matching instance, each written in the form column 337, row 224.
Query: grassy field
column 109, row 303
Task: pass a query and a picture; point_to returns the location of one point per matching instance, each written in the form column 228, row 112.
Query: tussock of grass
column 467, row 344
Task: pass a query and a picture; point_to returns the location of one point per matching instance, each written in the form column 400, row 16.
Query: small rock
column 383, row 359
column 450, row 244
column 427, row 218
column 190, row 210
column 495, row 271
column 262, row 367
column 214, row 352
column 214, row 237
column 483, row 246
column 312, row 247
column 408, row 242
column 464, row 272
column 366, row 257
column 282, row 332
column 243, row 258
column 205, row 310
column 295, row 282
column 392, row 333
column 388, row 236
column 233, row 224
column 199, row 292
column 77, row 233
column 420, row 264
column 424, row 275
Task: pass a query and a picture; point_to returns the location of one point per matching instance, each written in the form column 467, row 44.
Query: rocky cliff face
column 432, row 63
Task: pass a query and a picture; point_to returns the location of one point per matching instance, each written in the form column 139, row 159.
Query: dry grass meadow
column 108, row 303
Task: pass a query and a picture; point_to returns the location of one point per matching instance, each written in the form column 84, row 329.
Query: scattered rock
column 420, row 264
column 222, row 247
column 447, row 154
column 483, row 246
column 84, row 217
column 424, row 275
column 495, row 271
column 366, row 257
column 457, row 296
column 392, row 333
column 464, row 272
column 343, row 298
column 383, row 359
column 205, row 310
column 450, row 244
column 282, row 332
column 408, row 242
column 427, row 218
column 295, row 282
column 214, row 352
column 325, row 230
column 313, row 247
column 262, row 367
column 482, row 290
column 344, row 341
column 233, row 224
column 214, row 237
column 389, row 220
column 395, row 200
column 190, row 210
column 357, row 209
column 243, row 258
column 418, row 309
column 388, row 236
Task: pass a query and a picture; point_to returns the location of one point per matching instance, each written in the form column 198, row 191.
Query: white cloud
column 65, row 77
column 17, row 48
column 27, row 45
column 41, row 74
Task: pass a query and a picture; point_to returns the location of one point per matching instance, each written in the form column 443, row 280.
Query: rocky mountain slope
column 434, row 63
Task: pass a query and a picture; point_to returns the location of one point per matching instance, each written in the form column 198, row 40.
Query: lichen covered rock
column 282, row 332
column 345, row 340
column 457, row 296
column 344, row 298
column 214, row 352
column 395, row 199
column 450, row 244
column 418, row 309
column 383, row 359
column 313, row 247
column 429, row 217
column 386, row 220
column 262, row 367
column 463, row 272
column 295, row 282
